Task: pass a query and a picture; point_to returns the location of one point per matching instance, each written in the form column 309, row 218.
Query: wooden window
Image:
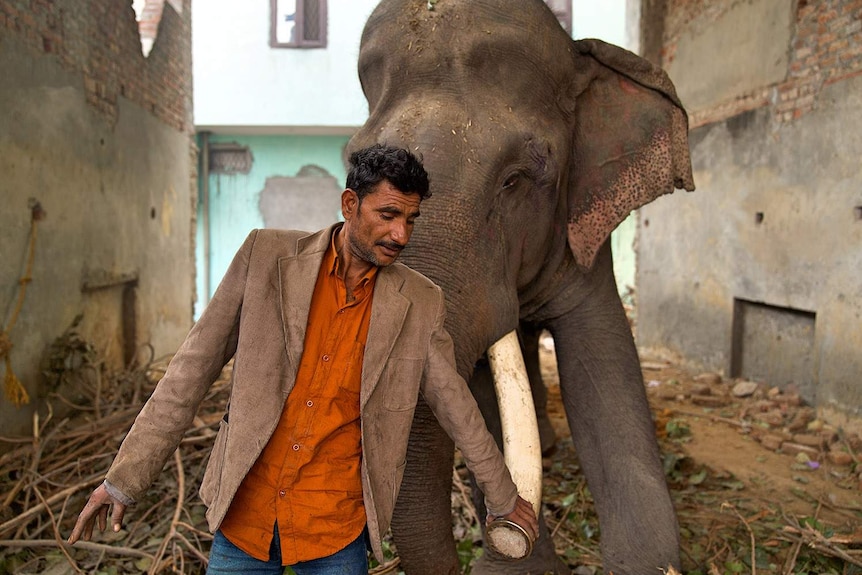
column 297, row 24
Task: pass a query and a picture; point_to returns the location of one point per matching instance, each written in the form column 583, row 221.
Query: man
column 332, row 344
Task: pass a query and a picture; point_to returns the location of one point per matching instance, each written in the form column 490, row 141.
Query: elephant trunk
column 521, row 444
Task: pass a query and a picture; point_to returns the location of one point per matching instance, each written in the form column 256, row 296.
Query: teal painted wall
column 234, row 199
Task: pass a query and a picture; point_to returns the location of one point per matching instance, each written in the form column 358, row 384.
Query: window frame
column 300, row 41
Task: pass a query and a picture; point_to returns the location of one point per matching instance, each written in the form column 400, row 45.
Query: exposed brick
column 851, row 52
column 805, row 12
column 826, row 48
column 804, row 52
column 101, row 40
column 785, row 106
column 839, row 45
column 826, row 16
column 827, row 38
column 790, row 94
column 839, row 24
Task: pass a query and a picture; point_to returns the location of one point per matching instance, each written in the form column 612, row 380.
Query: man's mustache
column 392, row 245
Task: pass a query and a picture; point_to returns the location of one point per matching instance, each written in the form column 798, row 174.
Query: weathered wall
column 281, row 170
column 759, row 272
column 101, row 137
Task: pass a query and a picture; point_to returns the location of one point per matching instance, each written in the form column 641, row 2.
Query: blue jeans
column 228, row 559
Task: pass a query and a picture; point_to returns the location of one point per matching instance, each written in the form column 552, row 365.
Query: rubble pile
column 778, row 419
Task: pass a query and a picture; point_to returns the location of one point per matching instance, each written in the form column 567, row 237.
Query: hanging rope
column 15, row 391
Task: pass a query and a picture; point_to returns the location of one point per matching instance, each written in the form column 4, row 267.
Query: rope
column 15, row 391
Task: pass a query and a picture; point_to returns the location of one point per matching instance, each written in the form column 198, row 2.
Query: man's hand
column 524, row 516
column 97, row 507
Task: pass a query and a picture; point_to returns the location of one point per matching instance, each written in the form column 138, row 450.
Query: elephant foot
column 542, row 561
column 488, row 565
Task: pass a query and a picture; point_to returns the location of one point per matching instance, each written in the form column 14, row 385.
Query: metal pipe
column 205, row 214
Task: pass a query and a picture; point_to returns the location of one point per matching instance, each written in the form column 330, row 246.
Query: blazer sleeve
column 159, row 427
column 450, row 399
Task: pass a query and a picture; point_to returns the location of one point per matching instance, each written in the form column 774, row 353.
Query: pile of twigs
column 46, row 478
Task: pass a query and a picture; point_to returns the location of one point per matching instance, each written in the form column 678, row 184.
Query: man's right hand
column 523, row 515
column 97, row 507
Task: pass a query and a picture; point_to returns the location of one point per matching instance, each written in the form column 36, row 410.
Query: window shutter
column 311, row 20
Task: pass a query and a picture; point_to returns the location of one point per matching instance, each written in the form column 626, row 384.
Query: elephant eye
column 511, row 181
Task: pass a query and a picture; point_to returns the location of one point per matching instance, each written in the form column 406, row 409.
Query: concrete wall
column 100, row 136
column 745, row 47
column 759, row 272
column 282, row 169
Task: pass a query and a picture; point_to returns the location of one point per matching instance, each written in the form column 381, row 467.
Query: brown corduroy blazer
column 258, row 317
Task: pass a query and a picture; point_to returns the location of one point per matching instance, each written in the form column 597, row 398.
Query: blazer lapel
column 297, row 277
column 388, row 311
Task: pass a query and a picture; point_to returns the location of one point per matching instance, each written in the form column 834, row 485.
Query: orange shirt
column 308, row 476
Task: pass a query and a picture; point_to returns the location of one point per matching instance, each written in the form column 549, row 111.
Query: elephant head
column 538, row 146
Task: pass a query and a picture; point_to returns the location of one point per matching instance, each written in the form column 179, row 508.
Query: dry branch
column 46, row 478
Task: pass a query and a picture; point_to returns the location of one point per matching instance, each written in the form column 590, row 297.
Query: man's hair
column 370, row 166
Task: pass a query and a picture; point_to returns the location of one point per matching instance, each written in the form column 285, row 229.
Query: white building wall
column 240, row 82
column 243, row 84
column 605, row 20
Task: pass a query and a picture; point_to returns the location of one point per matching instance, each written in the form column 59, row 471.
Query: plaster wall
column 776, row 219
column 116, row 185
column 240, row 81
column 604, row 20
column 744, row 48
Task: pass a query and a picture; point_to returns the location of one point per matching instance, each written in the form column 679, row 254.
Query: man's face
column 379, row 228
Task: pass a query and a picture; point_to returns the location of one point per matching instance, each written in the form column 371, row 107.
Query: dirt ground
column 759, row 468
column 759, row 484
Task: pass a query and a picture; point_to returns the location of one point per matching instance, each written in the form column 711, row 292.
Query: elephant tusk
column 521, row 445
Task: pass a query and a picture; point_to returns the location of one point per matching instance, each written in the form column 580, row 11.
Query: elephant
column 537, row 147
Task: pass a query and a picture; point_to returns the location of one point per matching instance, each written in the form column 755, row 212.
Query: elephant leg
column 422, row 520
column 543, row 558
column 529, row 336
column 612, row 428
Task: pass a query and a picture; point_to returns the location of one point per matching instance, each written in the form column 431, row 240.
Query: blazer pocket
column 212, row 475
column 401, row 379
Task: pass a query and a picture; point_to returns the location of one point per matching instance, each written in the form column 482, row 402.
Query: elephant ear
column 630, row 143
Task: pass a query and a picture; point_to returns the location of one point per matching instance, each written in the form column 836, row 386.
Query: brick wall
column 826, row 47
column 100, row 39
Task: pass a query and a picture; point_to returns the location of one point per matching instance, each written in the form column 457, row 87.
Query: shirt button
column 309, row 403
column 325, row 358
column 281, row 493
column 296, row 447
